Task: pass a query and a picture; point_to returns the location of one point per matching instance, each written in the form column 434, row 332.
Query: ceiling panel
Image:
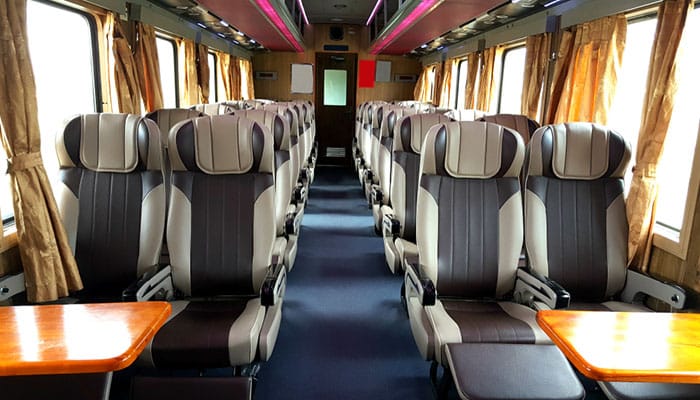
column 338, row 11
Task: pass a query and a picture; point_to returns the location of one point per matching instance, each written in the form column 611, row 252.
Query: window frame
column 176, row 63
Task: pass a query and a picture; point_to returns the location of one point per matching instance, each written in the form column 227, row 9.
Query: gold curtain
column 50, row 270
column 536, row 61
column 470, row 89
column 437, row 83
column 189, row 87
column 223, row 62
column 234, row 72
column 486, row 81
column 591, row 75
column 446, row 86
column 565, row 53
column 149, row 70
column 247, row 88
column 421, row 90
column 203, row 73
column 658, row 105
column 124, row 80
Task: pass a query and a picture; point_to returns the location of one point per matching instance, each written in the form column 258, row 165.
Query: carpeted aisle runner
column 344, row 334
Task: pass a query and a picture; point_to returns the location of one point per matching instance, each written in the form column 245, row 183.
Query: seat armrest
column 11, row 285
column 377, row 195
column 272, row 289
column 639, row 283
column 156, row 284
column 369, row 176
column 392, row 226
column 531, row 286
column 303, row 176
column 422, row 285
column 290, row 224
column 299, row 194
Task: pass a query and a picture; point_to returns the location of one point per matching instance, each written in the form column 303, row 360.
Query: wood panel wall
column 316, row 36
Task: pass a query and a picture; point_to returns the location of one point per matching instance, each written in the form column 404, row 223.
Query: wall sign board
column 302, row 78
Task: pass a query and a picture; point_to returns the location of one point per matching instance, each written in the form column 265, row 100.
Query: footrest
column 497, row 371
column 186, row 388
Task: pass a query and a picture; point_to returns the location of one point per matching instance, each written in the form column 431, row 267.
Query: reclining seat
column 166, row 118
column 356, row 138
column 399, row 219
column 210, row 109
column 465, row 114
column 221, row 234
column 381, row 192
column 576, row 231
column 298, row 191
column 111, row 198
column 372, row 173
column 469, row 232
column 287, row 221
column 308, row 128
column 371, row 123
column 519, row 123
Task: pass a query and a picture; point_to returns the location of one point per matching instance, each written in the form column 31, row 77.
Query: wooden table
column 628, row 347
column 76, row 338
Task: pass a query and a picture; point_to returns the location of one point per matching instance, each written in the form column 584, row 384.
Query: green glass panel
column 335, row 87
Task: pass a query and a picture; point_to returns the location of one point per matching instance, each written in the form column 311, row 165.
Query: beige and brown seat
column 576, row 231
column 111, row 198
column 465, row 114
column 399, row 219
column 519, row 123
column 371, row 178
column 221, row 234
column 211, row 109
column 370, row 123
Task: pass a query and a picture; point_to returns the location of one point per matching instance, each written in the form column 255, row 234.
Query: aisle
column 344, row 334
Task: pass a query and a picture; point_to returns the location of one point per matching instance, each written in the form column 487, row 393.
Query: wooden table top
column 629, row 347
column 76, row 338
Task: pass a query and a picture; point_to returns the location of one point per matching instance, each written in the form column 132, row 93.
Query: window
column 453, row 85
column 461, row 83
column 512, row 72
column 213, row 92
column 335, row 87
column 676, row 164
column 167, row 57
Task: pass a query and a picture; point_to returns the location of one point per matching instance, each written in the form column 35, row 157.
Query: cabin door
column 336, row 74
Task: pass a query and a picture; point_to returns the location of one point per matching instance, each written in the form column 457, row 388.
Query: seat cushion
column 650, row 391
column 483, row 322
column 209, row 334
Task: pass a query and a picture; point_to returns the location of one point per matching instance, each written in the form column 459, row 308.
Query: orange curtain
column 565, row 52
column 446, row 86
column 234, row 72
column 658, row 106
column 536, row 61
column 223, row 62
column 591, row 75
column 203, row 73
column 148, row 67
column 472, row 72
column 486, row 81
column 421, row 91
column 247, row 89
column 189, row 86
column 124, row 80
column 50, row 270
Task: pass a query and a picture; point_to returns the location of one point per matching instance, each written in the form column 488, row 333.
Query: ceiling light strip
column 275, row 18
column 374, row 12
column 303, row 11
column 421, row 9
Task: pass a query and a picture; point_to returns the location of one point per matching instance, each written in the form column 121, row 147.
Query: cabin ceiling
column 447, row 22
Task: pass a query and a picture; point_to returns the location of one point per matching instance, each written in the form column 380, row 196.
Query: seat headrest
column 106, row 142
column 465, row 115
column 578, row 150
column 275, row 123
column 287, row 112
column 519, row 123
column 221, row 144
column 166, row 118
column 412, row 130
column 210, row 109
column 472, row 150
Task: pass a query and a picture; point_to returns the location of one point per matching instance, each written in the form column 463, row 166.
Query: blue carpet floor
column 344, row 334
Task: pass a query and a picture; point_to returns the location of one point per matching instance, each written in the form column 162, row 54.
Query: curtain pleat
column 49, row 267
column 536, row 61
column 189, row 86
column 420, row 91
column 125, row 78
column 470, row 89
column 247, row 89
column 203, row 73
column 565, row 53
column 486, row 81
column 223, row 62
column 234, row 72
column 658, row 105
column 591, row 76
column 446, row 86
column 149, row 68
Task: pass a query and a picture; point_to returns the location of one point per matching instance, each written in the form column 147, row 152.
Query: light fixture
column 236, row 41
column 374, row 12
column 201, row 25
column 421, row 9
column 551, row 3
column 276, row 20
column 252, row 41
column 303, row 11
column 221, row 35
column 224, row 23
column 424, row 45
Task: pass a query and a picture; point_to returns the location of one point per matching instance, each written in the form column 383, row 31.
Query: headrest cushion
column 413, row 128
column 276, row 124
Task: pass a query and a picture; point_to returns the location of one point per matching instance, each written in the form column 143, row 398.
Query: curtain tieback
column 647, row 171
column 21, row 162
